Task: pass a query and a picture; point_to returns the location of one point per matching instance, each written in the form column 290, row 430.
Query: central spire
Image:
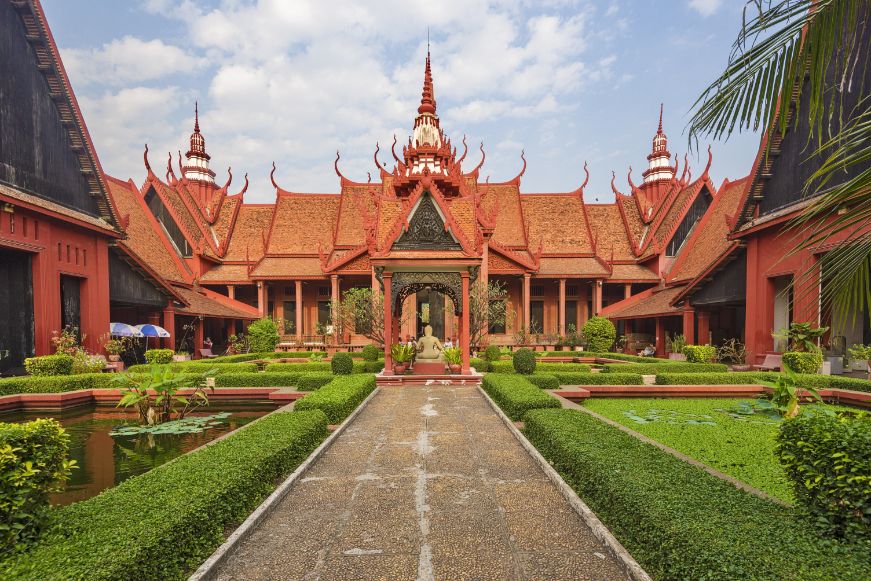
column 426, row 124
column 427, row 97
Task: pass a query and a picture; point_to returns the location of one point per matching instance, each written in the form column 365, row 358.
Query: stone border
column 243, row 531
column 601, row 532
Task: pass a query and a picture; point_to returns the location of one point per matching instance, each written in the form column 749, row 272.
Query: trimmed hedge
column 700, row 353
column 803, row 361
column 516, row 395
column 480, row 365
column 371, row 353
column 257, row 379
column 33, row 463
column 604, row 355
column 159, row 356
column 828, row 459
column 339, row 397
column 47, row 365
column 600, row 333
column 572, row 378
column 755, row 377
column 678, row 521
column 492, row 353
column 313, row 380
column 523, row 361
column 200, row 366
column 163, row 523
column 656, row 368
column 541, row 366
column 55, row 384
column 298, row 367
column 342, row 364
column 243, row 357
column 368, row 366
column 543, row 380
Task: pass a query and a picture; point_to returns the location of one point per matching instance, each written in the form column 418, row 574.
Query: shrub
column 678, row 521
column 828, row 459
column 201, row 366
column 480, row 365
column 548, row 367
column 33, row 463
column 263, row 335
column 159, row 356
column 257, row 379
column 523, row 361
column 83, row 362
column 370, row 366
column 803, row 361
column 623, row 357
column 313, row 380
column 298, row 367
column 342, row 364
column 59, row 364
column 656, row 368
column 55, row 384
column 371, row 353
column 339, row 397
column 723, row 378
column 543, row 380
column 492, row 353
column 573, row 378
column 599, row 333
column 516, row 395
column 159, row 524
column 700, row 353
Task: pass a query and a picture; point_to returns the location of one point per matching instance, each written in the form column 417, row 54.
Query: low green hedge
column 299, row 367
column 543, row 380
column 755, row 377
column 480, row 365
column 656, row 368
column 700, row 353
column 516, row 395
column 257, row 379
column 606, row 355
column 542, row 367
column 159, row 356
column 47, row 365
column 339, row 397
column 200, row 366
column 164, row 523
column 243, row 357
column 678, row 521
column 827, row 458
column 367, row 366
column 33, row 463
column 803, row 361
column 313, row 380
column 572, row 378
column 55, row 384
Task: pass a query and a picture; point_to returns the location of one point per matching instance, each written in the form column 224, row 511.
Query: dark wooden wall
column 35, row 152
column 127, row 287
column 16, row 309
column 729, row 285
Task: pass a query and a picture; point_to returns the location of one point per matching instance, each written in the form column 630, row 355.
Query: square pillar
column 298, row 298
column 689, row 326
column 627, row 290
column 387, row 277
column 597, row 297
column 231, row 291
column 526, row 292
column 562, row 307
column 704, row 327
column 660, row 337
column 262, row 299
column 334, row 307
column 464, row 324
column 198, row 336
column 627, row 331
column 169, row 325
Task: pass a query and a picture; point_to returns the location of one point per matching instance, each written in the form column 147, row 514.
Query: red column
column 387, row 278
column 597, row 298
column 231, row 291
column 198, row 336
column 627, row 290
column 562, row 306
column 689, row 331
column 262, row 298
column 627, row 331
column 660, row 337
column 169, row 325
column 298, row 298
column 526, row 292
column 464, row 323
column 334, row 296
column 704, row 327
column 484, row 277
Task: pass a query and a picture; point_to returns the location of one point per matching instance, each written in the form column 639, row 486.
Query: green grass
column 740, row 448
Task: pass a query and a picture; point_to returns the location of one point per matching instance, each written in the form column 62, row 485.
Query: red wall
column 60, row 248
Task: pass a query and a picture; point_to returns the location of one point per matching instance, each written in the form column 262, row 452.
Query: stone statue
column 429, row 348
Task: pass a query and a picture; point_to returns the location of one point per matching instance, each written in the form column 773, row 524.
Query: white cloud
column 705, row 7
column 128, row 60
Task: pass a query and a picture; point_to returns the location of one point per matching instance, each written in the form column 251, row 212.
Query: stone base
column 429, row 368
column 472, row 379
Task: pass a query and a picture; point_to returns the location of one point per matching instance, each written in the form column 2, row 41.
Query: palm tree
column 785, row 50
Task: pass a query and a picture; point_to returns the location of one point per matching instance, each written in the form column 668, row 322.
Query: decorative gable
column 426, row 229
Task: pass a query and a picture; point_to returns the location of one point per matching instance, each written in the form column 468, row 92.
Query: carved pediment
column 426, row 229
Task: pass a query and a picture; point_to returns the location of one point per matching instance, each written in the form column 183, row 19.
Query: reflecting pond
column 105, row 460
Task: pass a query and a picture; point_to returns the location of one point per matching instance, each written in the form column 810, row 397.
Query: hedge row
column 599, row 378
column 338, row 398
column 480, row 365
column 55, row 384
column 541, row 367
column 164, row 523
column 200, row 366
column 543, row 380
column 360, row 366
column 313, row 380
column 678, row 521
column 657, row 368
column 257, row 379
column 516, row 395
column 605, row 355
column 753, row 377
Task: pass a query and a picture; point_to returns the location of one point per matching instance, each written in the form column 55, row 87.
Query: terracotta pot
column 677, row 356
column 455, row 368
column 114, row 358
column 742, row 367
column 399, row 369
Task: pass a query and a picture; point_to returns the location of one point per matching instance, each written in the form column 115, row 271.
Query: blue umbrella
column 152, row 331
column 124, row 330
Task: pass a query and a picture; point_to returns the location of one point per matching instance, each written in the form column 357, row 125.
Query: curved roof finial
column 483, row 157
column 465, row 151
column 686, row 167
column 336, row 166
column 180, row 166
column 147, row 165
column 613, row 187
column 245, row 187
column 393, row 149
column 710, row 159
column 375, row 156
column 587, row 178
column 523, row 169
column 272, row 176
column 229, row 179
column 676, row 165
column 170, row 175
column 629, row 178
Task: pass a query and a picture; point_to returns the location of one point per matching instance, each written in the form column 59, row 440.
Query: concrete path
column 427, row 483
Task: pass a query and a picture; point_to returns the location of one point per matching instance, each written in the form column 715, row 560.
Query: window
column 572, row 290
column 323, row 291
column 536, row 316
column 155, row 204
column 536, row 290
column 289, row 317
column 571, row 314
column 324, row 313
column 497, row 329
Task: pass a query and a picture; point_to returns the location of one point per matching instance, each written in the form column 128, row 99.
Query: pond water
column 105, row 461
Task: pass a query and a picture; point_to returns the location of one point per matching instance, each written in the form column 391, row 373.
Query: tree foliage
column 363, row 311
column 488, row 305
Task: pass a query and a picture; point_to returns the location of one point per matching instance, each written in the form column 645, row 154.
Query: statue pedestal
column 429, row 368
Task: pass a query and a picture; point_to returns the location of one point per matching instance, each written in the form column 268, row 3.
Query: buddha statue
column 429, row 348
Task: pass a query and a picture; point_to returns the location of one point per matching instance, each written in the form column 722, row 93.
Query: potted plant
column 804, row 355
column 181, row 356
column 734, row 353
column 113, row 349
column 862, row 352
column 675, row 345
column 453, row 356
column 401, row 355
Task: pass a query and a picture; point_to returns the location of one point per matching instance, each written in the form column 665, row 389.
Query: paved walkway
column 427, row 483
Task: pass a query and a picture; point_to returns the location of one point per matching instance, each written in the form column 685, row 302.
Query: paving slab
column 427, row 483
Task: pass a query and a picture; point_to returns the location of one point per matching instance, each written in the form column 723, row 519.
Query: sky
column 566, row 81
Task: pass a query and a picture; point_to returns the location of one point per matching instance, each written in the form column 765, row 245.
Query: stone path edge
column 211, row 565
column 601, row 532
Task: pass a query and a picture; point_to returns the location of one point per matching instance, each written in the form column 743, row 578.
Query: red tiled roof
column 586, row 266
column 355, row 200
column 287, row 267
column 633, row 272
column 226, row 273
column 224, row 220
column 609, row 232
column 509, row 220
column 634, row 224
column 650, row 303
column 207, row 303
column 557, row 221
column 303, row 224
column 249, row 232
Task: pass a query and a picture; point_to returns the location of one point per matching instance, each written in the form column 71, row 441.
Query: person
column 208, row 343
column 409, row 342
column 648, row 351
column 449, row 343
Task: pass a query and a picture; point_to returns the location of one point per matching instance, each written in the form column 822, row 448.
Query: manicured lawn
column 740, row 447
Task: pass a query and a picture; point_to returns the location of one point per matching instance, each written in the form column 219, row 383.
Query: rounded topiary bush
column 524, row 361
column 700, row 353
column 59, row 364
column 371, row 353
column 159, row 356
column 803, row 361
column 600, row 334
column 492, row 353
column 263, row 336
column 342, row 364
